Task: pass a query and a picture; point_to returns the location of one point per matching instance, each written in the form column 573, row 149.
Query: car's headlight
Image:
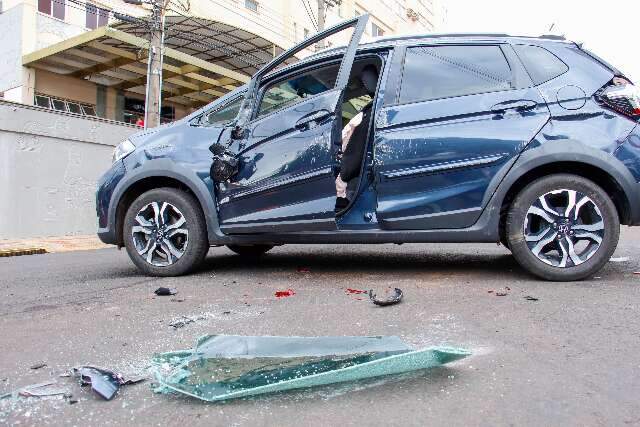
column 123, row 150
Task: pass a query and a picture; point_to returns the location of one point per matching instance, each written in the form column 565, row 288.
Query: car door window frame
column 249, row 105
column 516, row 71
column 288, row 75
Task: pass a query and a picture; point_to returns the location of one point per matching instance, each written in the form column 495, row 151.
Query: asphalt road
column 570, row 358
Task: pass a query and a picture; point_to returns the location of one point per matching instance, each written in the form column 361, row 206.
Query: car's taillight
column 622, row 96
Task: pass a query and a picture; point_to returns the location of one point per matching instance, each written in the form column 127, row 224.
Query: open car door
column 282, row 147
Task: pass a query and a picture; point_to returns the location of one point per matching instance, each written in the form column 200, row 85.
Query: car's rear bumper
column 629, row 154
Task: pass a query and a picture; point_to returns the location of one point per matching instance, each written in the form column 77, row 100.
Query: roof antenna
column 553, row 24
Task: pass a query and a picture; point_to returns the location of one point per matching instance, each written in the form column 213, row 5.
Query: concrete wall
column 49, row 165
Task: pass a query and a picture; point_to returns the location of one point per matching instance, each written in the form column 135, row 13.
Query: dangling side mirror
column 225, row 163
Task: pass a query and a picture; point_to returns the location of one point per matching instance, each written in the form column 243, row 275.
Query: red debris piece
column 303, row 270
column 284, row 294
column 355, row 291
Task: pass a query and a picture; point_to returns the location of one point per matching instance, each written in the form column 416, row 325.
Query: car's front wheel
column 562, row 227
column 165, row 232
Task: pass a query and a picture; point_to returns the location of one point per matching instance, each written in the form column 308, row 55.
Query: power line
column 309, row 11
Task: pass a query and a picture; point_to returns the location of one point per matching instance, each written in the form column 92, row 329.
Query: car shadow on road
column 331, row 261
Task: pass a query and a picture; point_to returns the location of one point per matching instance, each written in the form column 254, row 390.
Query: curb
column 23, row 251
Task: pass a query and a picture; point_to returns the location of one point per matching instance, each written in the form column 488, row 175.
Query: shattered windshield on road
column 224, row 367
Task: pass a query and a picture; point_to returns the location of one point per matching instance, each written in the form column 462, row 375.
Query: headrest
column 369, row 78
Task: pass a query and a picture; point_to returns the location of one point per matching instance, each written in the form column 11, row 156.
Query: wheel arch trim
column 165, row 168
column 571, row 151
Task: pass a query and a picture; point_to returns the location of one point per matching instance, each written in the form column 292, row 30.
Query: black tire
column 197, row 243
column 594, row 259
column 252, row 251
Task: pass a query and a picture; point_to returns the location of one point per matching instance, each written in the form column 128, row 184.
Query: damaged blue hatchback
column 532, row 142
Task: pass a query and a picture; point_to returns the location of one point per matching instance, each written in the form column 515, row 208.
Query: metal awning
column 199, row 65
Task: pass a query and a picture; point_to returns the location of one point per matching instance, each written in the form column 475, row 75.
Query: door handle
column 307, row 121
column 520, row 105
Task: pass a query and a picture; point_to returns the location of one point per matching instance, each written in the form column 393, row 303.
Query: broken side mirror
column 225, row 163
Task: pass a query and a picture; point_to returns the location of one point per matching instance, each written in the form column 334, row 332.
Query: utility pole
column 153, row 98
column 154, row 67
column 322, row 7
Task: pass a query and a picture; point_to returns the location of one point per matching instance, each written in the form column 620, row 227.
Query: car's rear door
column 461, row 116
column 289, row 122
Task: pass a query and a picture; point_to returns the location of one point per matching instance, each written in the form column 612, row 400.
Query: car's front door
column 287, row 130
column 462, row 115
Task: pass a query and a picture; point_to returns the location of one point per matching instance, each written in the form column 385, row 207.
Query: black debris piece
column 38, row 365
column 104, row 382
column 530, row 298
column 390, row 298
column 166, row 291
column 501, row 294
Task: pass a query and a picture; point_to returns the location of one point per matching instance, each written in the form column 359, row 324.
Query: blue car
column 531, row 142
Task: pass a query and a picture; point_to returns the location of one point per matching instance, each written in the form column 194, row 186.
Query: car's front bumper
column 106, row 186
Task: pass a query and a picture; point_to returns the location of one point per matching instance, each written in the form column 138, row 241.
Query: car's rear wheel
column 253, row 251
column 562, row 227
column 165, row 232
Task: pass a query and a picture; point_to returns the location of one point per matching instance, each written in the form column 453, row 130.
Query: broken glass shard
column 224, row 367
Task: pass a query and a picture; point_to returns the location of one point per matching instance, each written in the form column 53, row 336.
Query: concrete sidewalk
column 52, row 244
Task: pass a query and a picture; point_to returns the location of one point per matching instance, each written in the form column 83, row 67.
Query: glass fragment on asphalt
column 224, row 367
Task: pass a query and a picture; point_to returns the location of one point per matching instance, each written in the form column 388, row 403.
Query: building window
column 54, row 8
column 251, row 5
column 96, row 16
column 376, row 31
column 64, row 105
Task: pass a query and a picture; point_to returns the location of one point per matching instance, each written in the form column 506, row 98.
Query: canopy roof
column 203, row 59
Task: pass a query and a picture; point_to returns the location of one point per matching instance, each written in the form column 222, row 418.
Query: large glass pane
column 226, row 367
column 447, row 71
column 294, row 89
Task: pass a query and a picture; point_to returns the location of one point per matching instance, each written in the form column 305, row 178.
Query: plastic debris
column 104, row 382
column 166, row 291
column 501, row 294
column 530, row 298
column 285, row 293
column 223, row 367
column 619, row 259
column 38, row 365
column 355, row 291
column 390, row 298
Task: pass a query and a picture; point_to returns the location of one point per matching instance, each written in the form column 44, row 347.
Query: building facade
column 28, row 26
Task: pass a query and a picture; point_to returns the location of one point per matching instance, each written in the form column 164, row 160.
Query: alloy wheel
column 564, row 228
column 160, row 234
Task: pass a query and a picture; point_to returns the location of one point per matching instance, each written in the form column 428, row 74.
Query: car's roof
column 390, row 41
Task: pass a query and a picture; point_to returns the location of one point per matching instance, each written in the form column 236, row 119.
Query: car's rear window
column 541, row 64
column 435, row 72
